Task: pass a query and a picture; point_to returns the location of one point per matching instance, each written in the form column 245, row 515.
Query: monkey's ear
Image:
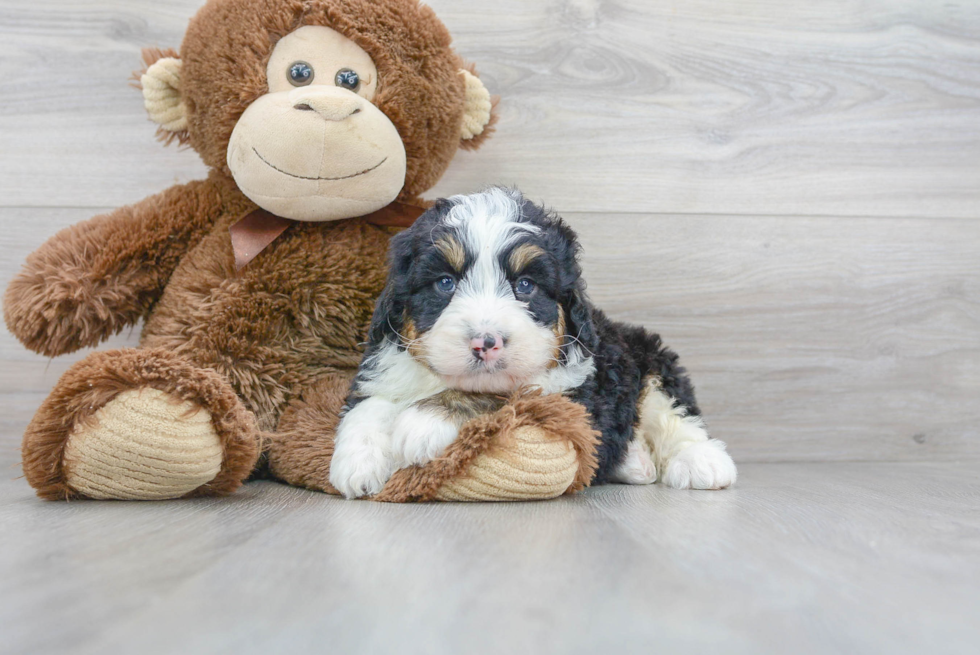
column 478, row 113
column 160, row 82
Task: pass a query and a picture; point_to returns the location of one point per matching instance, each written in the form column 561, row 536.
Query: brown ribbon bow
column 253, row 233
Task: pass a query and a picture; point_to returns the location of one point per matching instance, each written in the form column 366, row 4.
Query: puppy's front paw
column 702, row 465
column 421, row 436
column 360, row 470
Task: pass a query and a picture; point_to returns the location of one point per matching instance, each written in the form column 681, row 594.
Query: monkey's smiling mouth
column 302, row 177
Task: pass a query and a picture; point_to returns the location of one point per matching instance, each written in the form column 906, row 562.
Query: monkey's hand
column 91, row 280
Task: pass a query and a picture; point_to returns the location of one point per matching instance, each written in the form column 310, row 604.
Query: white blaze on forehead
column 488, row 223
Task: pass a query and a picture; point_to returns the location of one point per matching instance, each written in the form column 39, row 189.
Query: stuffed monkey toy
column 322, row 122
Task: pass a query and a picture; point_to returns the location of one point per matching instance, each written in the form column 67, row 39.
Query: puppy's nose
column 487, row 347
column 328, row 104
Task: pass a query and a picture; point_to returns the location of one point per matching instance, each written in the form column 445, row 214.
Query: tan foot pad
column 143, row 445
column 535, row 467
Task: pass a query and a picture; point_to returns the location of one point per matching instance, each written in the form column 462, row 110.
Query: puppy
column 484, row 296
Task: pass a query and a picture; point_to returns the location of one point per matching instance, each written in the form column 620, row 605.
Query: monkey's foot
column 535, row 465
column 140, row 424
column 143, row 445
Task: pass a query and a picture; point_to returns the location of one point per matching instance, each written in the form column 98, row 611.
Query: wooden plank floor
column 799, row 558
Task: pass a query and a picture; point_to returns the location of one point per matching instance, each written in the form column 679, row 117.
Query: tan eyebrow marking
column 453, row 251
column 523, row 255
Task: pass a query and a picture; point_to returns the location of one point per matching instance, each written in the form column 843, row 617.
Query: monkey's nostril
column 489, row 342
column 303, row 107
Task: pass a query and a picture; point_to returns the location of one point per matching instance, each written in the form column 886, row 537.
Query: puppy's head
column 485, row 291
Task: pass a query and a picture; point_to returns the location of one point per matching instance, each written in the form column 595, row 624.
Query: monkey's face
column 315, row 147
column 320, row 109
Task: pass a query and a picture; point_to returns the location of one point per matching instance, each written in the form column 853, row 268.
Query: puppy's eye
column 348, row 79
column 300, row 74
column 446, row 284
column 524, row 286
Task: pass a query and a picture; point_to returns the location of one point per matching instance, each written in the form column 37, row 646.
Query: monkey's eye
column 524, row 286
column 300, row 74
column 348, row 79
column 446, row 284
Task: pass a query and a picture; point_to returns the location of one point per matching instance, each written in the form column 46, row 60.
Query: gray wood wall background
column 788, row 191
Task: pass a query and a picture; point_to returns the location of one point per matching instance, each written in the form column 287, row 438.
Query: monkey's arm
column 93, row 279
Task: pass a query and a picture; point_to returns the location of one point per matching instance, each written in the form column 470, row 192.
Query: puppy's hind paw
column 637, row 466
column 702, row 465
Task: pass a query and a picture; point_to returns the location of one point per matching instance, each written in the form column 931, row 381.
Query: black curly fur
column 626, row 356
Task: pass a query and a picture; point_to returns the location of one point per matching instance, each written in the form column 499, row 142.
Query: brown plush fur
column 296, row 312
column 89, row 281
column 90, row 384
column 272, row 347
column 301, row 449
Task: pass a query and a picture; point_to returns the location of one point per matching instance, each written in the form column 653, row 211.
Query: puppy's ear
column 388, row 321
column 580, row 325
column 389, row 311
column 383, row 323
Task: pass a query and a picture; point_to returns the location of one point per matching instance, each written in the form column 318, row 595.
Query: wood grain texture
column 756, row 107
column 808, row 339
column 800, row 558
